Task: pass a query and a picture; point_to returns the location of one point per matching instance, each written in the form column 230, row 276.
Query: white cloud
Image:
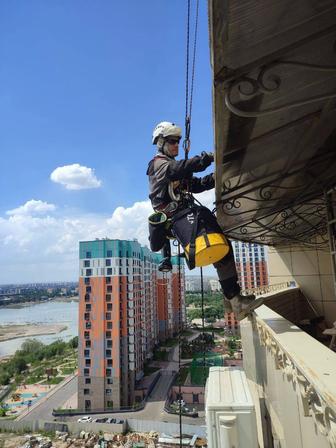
column 207, row 198
column 32, row 207
column 75, row 177
column 38, row 248
column 35, row 247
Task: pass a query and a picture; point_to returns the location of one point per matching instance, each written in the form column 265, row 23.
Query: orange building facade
column 251, row 264
column 126, row 307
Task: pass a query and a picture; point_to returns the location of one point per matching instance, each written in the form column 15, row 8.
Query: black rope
column 188, row 103
column 179, row 343
column 193, row 63
column 186, row 121
column 186, row 144
column 203, row 332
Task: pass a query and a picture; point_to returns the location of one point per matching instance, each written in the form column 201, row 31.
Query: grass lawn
column 171, row 342
column 55, row 380
column 148, row 370
column 182, row 376
column 160, row 356
column 68, row 370
column 187, row 333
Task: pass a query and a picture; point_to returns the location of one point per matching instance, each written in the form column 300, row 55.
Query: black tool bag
column 189, row 224
column 157, row 226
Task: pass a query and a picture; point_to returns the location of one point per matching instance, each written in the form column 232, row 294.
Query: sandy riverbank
column 17, row 306
column 8, row 332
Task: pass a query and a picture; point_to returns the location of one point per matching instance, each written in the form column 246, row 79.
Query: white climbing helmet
column 165, row 129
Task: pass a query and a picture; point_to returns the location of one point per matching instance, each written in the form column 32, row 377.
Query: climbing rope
column 203, row 332
column 189, row 102
column 186, row 145
column 179, row 342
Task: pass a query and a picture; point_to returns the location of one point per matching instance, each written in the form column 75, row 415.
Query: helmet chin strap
column 164, row 148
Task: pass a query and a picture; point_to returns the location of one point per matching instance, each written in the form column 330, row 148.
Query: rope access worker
column 171, row 183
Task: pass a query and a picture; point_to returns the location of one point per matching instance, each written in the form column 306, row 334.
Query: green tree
column 4, row 378
column 19, row 364
column 31, row 346
column 73, row 343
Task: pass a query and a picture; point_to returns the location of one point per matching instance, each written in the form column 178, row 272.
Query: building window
column 86, row 263
column 88, row 254
column 108, row 372
column 87, row 316
column 87, row 380
column 108, row 280
column 108, row 316
column 109, row 288
column 109, row 404
column 87, row 404
column 109, row 343
column 109, row 325
column 86, row 372
column 110, row 362
column 88, row 325
column 109, row 271
column 109, row 381
column 108, row 334
column 109, row 254
column 88, row 343
column 86, row 391
column 88, row 307
column 108, row 353
column 108, row 297
column 86, row 353
column 109, row 306
column 87, row 280
column 87, row 297
column 88, row 272
column 107, row 262
column 108, row 391
column 88, row 289
column 86, row 335
column 88, row 362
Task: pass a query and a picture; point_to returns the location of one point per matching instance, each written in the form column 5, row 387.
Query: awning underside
column 274, row 68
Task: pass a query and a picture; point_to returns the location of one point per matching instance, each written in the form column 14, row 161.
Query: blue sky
column 83, row 83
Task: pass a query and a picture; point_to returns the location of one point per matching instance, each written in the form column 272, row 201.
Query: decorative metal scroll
column 302, row 224
column 267, row 82
column 313, row 403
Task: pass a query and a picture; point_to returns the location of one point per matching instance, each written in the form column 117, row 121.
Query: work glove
column 207, row 157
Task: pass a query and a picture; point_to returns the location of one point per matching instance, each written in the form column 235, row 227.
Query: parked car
column 111, row 420
column 85, row 419
column 119, row 422
column 100, row 420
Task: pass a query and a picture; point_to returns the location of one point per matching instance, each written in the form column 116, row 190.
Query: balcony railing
column 292, row 377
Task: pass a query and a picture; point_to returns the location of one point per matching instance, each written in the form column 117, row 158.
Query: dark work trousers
column 227, row 274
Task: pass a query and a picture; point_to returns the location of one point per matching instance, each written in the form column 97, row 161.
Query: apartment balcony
column 292, row 378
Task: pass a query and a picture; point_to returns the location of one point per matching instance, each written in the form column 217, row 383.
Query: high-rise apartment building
column 126, row 306
column 251, row 264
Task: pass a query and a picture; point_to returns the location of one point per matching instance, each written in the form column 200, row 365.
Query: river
column 45, row 313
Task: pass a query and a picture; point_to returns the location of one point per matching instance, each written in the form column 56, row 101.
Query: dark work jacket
column 162, row 170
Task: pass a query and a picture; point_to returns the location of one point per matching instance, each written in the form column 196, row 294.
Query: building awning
column 274, row 92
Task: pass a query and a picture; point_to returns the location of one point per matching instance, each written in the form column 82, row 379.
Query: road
column 154, row 408
column 43, row 409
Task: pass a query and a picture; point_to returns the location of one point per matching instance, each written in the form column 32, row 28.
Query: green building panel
column 106, row 248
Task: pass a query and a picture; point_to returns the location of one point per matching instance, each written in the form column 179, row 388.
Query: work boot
column 238, row 304
column 165, row 265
